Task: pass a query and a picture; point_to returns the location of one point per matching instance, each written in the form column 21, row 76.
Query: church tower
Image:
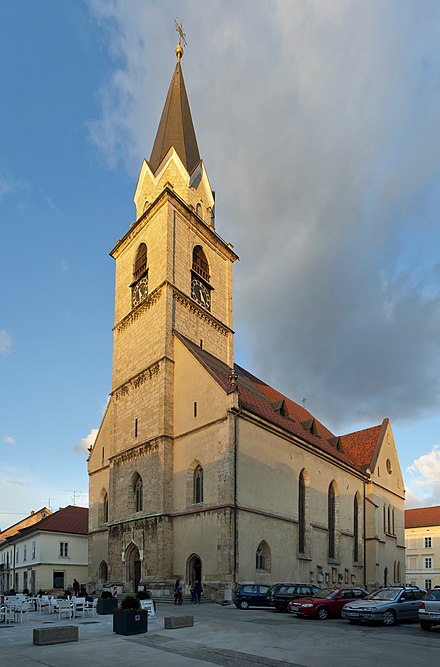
column 173, row 282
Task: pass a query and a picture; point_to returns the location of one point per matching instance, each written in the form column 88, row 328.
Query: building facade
column 47, row 555
column 201, row 470
column 422, row 541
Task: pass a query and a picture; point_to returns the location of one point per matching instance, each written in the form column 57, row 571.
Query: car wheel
column 322, row 613
column 244, row 604
column 425, row 626
column 389, row 617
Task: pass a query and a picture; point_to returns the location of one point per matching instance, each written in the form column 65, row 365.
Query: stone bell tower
column 173, row 274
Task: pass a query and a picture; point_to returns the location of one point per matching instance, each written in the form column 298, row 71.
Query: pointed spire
column 176, row 127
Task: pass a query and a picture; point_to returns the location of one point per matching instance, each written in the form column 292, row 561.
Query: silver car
column 387, row 605
column 429, row 609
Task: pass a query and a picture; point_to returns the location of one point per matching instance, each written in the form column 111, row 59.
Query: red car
column 327, row 602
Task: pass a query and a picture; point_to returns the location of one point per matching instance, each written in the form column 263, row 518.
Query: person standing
column 76, row 588
column 198, row 590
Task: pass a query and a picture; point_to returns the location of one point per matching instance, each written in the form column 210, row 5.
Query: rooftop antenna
column 75, row 494
column 304, row 402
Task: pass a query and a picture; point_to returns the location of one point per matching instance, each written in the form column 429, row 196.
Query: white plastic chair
column 65, row 607
column 21, row 610
column 6, row 614
column 90, row 607
column 79, row 606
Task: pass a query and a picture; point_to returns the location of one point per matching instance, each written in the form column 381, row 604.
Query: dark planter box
column 130, row 621
column 106, row 606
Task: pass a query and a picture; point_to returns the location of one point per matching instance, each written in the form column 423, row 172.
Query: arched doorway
column 193, row 569
column 133, row 561
column 103, row 574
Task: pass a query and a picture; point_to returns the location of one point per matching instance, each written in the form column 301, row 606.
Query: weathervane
column 182, row 38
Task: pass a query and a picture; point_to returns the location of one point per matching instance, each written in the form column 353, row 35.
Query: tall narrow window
column 105, row 508
column 140, row 264
column 356, row 529
column 138, row 494
column 332, row 519
column 198, row 484
column 200, row 288
column 259, row 559
column 302, row 514
column 139, row 286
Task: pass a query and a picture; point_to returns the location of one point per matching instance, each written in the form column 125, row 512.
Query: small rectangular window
column 25, row 552
column 428, row 584
column 428, row 543
column 135, row 428
column 195, row 408
column 33, row 549
column 64, row 550
column 201, row 344
column 58, row 579
column 428, row 563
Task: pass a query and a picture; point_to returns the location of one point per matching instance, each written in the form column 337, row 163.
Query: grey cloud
column 318, row 125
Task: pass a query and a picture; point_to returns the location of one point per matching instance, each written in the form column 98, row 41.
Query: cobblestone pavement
column 223, row 636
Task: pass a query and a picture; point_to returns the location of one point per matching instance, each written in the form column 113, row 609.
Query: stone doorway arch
column 103, row 574
column 193, row 569
column 133, row 567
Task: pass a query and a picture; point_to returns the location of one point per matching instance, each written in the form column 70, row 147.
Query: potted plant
column 106, row 603
column 130, row 619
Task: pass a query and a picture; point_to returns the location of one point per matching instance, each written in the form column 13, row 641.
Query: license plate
column 435, row 615
column 353, row 614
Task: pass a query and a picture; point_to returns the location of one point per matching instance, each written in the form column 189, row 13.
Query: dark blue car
column 250, row 595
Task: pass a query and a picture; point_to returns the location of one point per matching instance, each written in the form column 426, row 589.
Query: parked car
column 429, row 609
column 328, row 602
column 250, row 595
column 388, row 605
column 274, row 589
column 289, row 592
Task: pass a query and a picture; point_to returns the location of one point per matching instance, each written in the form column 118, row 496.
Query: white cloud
column 8, row 440
column 5, row 342
column 7, row 185
column 318, row 125
column 87, row 442
column 424, row 488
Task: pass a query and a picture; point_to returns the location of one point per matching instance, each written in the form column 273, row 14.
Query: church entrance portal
column 193, row 569
column 134, row 568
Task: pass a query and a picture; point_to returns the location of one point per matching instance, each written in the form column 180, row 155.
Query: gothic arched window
column 333, row 500
column 198, row 484
column 356, row 528
column 138, row 494
column 262, row 557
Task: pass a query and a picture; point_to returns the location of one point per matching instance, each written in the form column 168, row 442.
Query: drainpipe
column 365, row 528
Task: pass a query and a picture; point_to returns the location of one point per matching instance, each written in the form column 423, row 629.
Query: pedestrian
column 193, row 594
column 178, row 595
column 75, row 588
column 198, row 590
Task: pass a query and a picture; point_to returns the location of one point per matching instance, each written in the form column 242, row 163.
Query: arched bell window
column 200, row 288
column 140, row 264
column 200, row 263
column 139, row 286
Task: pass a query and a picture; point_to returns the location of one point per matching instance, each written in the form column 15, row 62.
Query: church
column 200, row 470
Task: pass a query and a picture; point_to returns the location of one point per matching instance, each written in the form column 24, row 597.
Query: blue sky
column 319, row 127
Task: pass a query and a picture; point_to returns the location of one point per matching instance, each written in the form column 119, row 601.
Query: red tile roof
column 356, row 449
column 70, row 519
column 422, row 516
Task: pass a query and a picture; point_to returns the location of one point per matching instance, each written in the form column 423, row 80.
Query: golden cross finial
column 182, row 38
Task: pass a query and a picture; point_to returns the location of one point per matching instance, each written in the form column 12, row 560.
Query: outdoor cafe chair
column 79, row 606
column 90, row 607
column 21, row 610
column 65, row 607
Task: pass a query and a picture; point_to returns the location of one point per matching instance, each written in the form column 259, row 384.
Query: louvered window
column 140, row 265
column 200, row 264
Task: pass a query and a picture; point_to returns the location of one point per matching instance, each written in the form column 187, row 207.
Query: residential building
column 200, row 470
column 47, row 555
column 422, row 540
column 33, row 517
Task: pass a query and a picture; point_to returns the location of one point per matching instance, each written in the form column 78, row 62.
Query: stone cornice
column 134, row 314
column 136, row 381
column 200, row 312
column 136, row 452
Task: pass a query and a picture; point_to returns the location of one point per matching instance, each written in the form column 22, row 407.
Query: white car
column 429, row 609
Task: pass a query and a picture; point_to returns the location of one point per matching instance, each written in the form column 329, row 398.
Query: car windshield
column 326, row 593
column 385, row 594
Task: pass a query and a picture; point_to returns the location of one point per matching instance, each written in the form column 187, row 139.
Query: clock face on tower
column 200, row 293
column 139, row 291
